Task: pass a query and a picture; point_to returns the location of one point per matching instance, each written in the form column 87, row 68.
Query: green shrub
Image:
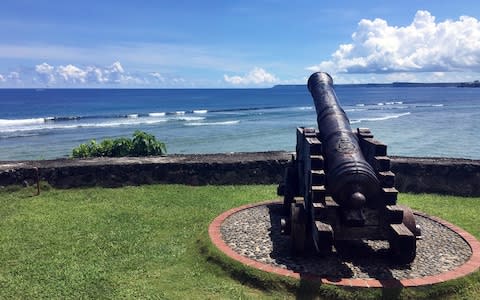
column 122, row 147
column 81, row 151
column 105, row 148
column 145, row 144
column 142, row 144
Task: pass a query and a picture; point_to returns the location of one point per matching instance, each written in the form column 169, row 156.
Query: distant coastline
column 474, row 84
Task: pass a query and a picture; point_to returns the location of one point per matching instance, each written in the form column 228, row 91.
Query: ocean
column 413, row 121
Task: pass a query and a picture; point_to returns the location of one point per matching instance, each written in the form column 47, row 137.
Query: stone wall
column 418, row 175
column 437, row 175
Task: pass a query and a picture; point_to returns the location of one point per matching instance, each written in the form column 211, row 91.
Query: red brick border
column 470, row 266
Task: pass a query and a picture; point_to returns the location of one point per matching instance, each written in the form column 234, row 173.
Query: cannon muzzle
column 350, row 179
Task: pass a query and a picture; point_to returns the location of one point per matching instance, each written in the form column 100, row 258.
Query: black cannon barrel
column 350, row 179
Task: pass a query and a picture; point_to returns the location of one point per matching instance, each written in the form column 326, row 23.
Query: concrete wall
column 418, row 175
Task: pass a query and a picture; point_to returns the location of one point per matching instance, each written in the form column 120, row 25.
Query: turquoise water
column 413, row 121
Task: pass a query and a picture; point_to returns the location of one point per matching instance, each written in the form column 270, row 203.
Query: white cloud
column 111, row 74
column 44, row 68
column 257, row 76
column 14, row 77
column 71, row 75
column 45, row 73
column 422, row 46
column 158, row 76
column 116, row 67
column 96, row 75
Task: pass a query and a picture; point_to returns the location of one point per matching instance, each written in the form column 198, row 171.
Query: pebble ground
column 254, row 233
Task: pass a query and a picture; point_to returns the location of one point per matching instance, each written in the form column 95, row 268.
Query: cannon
column 339, row 187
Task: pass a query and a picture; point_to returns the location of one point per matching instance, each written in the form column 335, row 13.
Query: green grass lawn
column 152, row 242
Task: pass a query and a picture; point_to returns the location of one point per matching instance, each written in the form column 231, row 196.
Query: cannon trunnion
column 339, row 185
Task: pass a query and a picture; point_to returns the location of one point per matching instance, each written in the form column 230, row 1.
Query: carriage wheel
column 298, row 228
column 322, row 237
column 289, row 189
column 409, row 220
column 403, row 243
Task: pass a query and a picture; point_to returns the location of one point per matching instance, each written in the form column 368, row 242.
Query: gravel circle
column 255, row 233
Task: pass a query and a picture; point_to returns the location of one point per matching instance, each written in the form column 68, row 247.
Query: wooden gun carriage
column 339, row 185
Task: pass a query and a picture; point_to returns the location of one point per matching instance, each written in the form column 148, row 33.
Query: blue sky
column 235, row 43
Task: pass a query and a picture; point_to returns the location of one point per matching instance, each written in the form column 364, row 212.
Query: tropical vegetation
column 142, row 144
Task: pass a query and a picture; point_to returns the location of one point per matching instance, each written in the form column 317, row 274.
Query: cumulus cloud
column 44, row 68
column 158, row 76
column 72, row 75
column 423, row 46
column 45, row 73
column 257, row 76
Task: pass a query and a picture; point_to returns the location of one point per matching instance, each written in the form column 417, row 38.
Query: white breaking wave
column 427, row 105
column 156, row 114
column 154, row 121
column 200, row 111
column 394, row 102
column 41, row 124
column 381, row 103
column 355, row 109
column 189, row 119
column 21, row 122
column 306, row 108
column 379, row 118
column 59, row 126
column 128, row 122
column 213, row 123
column 180, row 112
